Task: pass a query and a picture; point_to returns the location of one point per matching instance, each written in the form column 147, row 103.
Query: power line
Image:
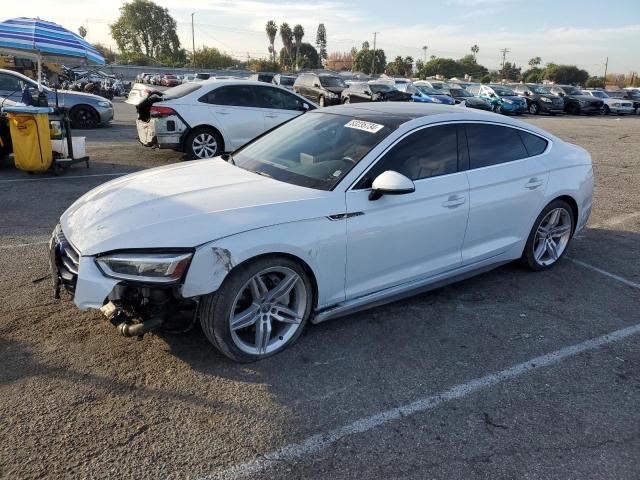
column 373, row 57
column 504, row 52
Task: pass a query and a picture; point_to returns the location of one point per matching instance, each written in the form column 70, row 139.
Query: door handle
column 272, row 115
column 533, row 183
column 454, row 200
column 223, row 112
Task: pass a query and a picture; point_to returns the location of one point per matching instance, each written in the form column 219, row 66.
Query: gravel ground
column 77, row 400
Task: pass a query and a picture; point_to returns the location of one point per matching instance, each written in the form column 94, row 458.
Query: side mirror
column 316, row 85
column 391, row 183
column 367, row 93
column 304, row 107
column 527, row 93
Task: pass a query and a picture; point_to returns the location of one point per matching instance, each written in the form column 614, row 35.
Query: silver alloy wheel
column 204, row 145
column 533, row 108
column 321, row 101
column 268, row 310
column 552, row 236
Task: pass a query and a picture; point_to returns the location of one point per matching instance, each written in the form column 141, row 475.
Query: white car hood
column 186, row 205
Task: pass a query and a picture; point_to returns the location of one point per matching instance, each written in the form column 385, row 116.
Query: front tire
column 607, row 110
column 573, row 109
column 260, row 309
column 321, row 102
column 549, row 237
column 534, row 109
column 83, row 117
column 203, row 143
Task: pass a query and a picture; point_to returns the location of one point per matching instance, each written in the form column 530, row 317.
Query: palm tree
column 287, row 40
column 272, row 30
column 475, row 49
column 298, row 33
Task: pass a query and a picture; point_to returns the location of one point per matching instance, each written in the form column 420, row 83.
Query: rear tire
column 573, row 109
column 203, row 142
column 606, row 110
column 265, row 321
column 550, row 236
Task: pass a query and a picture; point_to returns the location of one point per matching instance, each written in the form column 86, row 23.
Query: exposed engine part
column 139, row 329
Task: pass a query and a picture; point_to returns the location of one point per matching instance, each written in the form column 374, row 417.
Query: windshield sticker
column 364, row 126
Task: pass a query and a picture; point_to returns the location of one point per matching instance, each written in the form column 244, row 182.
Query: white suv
column 611, row 105
column 206, row 119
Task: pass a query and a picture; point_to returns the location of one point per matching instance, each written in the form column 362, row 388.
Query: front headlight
column 507, row 100
column 546, row 100
column 615, row 104
column 436, row 100
column 145, row 267
column 105, row 104
column 583, row 102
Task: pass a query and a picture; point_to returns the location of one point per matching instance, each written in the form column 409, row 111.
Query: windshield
column 287, row 81
column 439, row 86
column 428, row 90
column 171, row 77
column 541, row 90
column 327, row 81
column 572, row 91
column 633, row 94
column 380, row 87
column 314, row 150
column 180, row 91
column 598, row 94
column 459, row 93
column 503, row 91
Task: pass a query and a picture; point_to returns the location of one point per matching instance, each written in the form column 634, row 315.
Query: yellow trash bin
column 31, row 137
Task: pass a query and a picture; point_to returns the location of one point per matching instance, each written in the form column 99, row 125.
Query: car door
column 279, row 106
column 10, row 87
column 237, row 114
column 507, row 182
column 398, row 238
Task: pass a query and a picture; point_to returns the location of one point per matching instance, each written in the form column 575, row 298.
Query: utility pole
column 606, row 64
column 373, row 57
column 504, row 56
column 424, row 50
column 193, row 41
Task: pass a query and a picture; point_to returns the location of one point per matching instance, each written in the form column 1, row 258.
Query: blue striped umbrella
column 35, row 38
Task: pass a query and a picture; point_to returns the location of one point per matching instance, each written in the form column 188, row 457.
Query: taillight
column 162, row 111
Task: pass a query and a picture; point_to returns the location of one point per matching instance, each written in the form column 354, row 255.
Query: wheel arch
column 574, row 208
column 295, row 258
column 202, row 126
column 87, row 106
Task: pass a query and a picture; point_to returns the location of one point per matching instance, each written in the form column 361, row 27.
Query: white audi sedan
column 206, row 119
column 335, row 211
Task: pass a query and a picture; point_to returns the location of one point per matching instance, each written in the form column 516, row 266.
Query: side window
column 429, row 152
column 274, row 98
column 411, row 89
column 10, row 83
column 534, row 144
column 493, row 144
column 232, row 95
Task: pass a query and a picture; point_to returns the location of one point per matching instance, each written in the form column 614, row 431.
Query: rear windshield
column 181, row 90
column 327, row 81
column 287, row 80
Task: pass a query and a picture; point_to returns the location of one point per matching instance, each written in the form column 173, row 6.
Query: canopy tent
column 37, row 39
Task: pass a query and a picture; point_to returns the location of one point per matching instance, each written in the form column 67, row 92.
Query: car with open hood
column 502, row 98
column 576, row 102
column 358, row 92
column 205, row 119
column 539, row 98
column 337, row 210
column 321, row 88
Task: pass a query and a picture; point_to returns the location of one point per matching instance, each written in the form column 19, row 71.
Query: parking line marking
column 62, row 177
column 604, row 272
column 22, row 245
column 319, row 441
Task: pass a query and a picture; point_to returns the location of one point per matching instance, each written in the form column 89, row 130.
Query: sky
column 583, row 33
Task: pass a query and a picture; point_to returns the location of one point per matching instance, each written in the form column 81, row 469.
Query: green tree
column 146, row 27
column 209, row 57
column 535, row 62
column 107, row 54
column 82, row 31
column 401, row 66
column 446, row 67
column 298, row 33
column 470, row 67
column 321, row 43
column 475, row 49
column 510, row 71
column 262, row 65
column 567, row 74
column 272, row 29
column 594, row 82
column 533, row 75
column 366, row 59
column 485, row 79
column 308, row 57
column 286, row 34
